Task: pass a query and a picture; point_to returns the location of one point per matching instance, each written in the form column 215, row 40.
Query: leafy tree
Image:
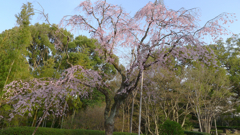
column 228, row 55
column 13, row 48
column 164, row 95
column 210, row 93
column 42, row 54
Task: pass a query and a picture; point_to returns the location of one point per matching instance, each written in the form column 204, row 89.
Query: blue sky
column 56, row 9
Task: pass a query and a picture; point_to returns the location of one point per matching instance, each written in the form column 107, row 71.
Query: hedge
column 228, row 127
column 223, row 127
column 195, row 133
column 54, row 131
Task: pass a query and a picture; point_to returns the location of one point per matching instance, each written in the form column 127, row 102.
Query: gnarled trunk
column 109, row 120
column 109, row 126
column 111, row 111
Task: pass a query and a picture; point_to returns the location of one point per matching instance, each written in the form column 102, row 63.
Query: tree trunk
column 147, row 119
column 123, row 120
column 43, row 122
column 73, row 116
column 156, row 125
column 215, row 123
column 177, row 117
column 173, row 116
column 140, row 108
column 63, row 111
column 184, row 119
column 109, row 114
column 109, row 127
column 206, row 124
column 146, row 130
column 35, row 118
column 45, row 113
column 53, row 122
column 131, row 116
column 199, row 120
column 109, row 124
column 183, row 122
column 128, row 121
column 210, row 125
column 200, row 124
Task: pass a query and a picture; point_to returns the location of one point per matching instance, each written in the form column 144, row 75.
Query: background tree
column 210, row 90
column 13, row 51
column 13, row 48
column 227, row 54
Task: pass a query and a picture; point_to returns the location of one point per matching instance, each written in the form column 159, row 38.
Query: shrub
column 170, row 128
column 54, row 131
column 195, row 133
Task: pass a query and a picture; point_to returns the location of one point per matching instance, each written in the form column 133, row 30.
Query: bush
column 171, row 128
column 54, row 131
column 228, row 127
column 195, row 133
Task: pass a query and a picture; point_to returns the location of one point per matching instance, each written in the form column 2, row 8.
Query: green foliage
column 13, row 44
column 47, row 70
column 42, row 55
column 195, row 133
column 95, row 98
column 228, row 127
column 188, row 124
column 54, row 131
column 170, row 128
column 227, row 54
column 13, row 62
column 75, row 103
column 24, row 17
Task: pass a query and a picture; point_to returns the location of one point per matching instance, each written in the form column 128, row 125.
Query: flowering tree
column 154, row 32
column 49, row 93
